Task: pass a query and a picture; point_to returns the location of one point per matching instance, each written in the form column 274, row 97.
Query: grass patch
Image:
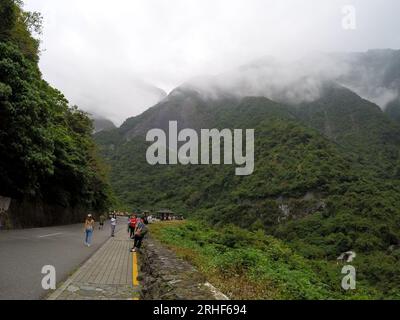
column 252, row 265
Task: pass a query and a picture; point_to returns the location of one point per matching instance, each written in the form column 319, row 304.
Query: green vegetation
column 320, row 193
column 252, row 265
column 357, row 125
column 47, row 151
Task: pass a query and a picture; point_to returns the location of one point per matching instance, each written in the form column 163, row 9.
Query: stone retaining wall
column 164, row 276
column 15, row 214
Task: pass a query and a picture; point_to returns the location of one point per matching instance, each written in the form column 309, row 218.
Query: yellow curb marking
column 135, row 282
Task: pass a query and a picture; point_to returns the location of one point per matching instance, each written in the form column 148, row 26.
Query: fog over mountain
column 101, row 124
column 374, row 75
column 104, row 57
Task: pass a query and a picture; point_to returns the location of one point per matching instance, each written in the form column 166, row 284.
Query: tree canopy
column 46, row 146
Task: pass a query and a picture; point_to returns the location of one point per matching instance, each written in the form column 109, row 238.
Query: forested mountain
column 357, row 125
column 47, row 153
column 393, row 110
column 325, row 180
column 375, row 74
column 101, row 123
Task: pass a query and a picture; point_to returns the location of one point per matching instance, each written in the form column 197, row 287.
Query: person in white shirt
column 113, row 224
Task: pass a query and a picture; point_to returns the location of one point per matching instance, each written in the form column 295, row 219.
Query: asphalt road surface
column 23, row 253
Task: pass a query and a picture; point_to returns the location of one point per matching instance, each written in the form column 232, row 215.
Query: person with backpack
column 140, row 232
column 132, row 226
column 89, row 227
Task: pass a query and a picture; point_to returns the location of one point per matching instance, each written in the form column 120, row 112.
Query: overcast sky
column 104, row 54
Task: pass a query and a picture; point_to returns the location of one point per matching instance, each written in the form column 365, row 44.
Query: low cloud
column 303, row 80
column 102, row 54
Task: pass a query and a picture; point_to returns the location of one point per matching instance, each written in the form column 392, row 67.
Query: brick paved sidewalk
column 107, row 275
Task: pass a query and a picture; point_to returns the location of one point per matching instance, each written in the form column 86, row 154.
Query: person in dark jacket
column 140, row 232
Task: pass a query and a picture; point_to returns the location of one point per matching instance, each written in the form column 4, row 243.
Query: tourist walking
column 101, row 221
column 113, row 224
column 89, row 227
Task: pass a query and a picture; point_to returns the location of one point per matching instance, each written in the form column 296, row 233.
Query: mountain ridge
column 326, row 177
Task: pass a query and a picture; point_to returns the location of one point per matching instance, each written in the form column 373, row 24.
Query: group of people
column 137, row 228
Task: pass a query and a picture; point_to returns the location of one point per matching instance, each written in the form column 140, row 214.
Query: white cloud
column 100, row 52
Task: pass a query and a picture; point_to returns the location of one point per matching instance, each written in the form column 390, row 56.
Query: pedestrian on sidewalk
column 132, row 226
column 113, row 224
column 140, row 232
column 89, row 227
column 102, row 219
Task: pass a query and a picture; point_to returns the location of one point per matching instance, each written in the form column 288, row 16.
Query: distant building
column 164, row 214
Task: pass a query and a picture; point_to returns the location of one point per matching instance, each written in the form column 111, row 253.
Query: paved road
column 23, row 253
